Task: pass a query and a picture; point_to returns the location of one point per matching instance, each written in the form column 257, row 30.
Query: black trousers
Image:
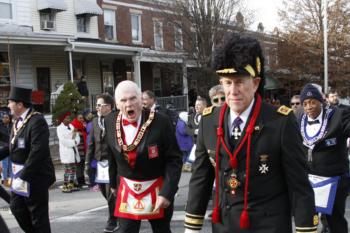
column 337, row 222
column 158, row 225
column 3, row 226
column 4, row 194
column 32, row 213
column 110, row 198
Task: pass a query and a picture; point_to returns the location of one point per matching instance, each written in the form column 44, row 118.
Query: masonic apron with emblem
column 136, row 199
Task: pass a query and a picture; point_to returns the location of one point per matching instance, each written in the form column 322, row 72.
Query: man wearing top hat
column 260, row 167
column 32, row 169
column 324, row 130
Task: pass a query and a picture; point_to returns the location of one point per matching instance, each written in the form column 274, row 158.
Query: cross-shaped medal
column 236, row 133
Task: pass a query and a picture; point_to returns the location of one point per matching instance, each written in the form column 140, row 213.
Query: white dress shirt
column 21, row 119
column 244, row 117
column 130, row 131
column 312, row 130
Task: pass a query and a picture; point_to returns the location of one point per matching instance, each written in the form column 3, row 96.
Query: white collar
column 244, row 115
column 153, row 108
column 23, row 116
column 138, row 120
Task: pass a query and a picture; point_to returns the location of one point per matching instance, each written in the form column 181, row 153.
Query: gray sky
column 265, row 12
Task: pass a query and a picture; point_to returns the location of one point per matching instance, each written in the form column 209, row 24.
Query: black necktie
column 313, row 122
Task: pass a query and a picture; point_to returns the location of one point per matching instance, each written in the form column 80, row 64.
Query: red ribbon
column 244, row 220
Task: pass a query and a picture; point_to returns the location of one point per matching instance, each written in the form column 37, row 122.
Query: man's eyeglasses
column 100, row 105
column 216, row 99
column 295, row 103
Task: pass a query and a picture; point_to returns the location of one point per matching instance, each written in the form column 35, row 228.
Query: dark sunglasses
column 216, row 100
column 100, row 105
column 295, row 103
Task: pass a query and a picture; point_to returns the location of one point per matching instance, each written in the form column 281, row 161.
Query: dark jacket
column 168, row 163
column 183, row 139
column 330, row 153
column 277, row 176
column 35, row 156
column 97, row 148
column 5, row 131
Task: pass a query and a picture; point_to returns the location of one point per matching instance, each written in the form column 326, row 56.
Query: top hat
column 239, row 56
column 20, row 94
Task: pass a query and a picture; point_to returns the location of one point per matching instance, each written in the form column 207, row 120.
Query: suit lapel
column 112, row 131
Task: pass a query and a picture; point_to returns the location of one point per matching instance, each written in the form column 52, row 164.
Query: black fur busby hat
column 20, row 94
column 240, row 55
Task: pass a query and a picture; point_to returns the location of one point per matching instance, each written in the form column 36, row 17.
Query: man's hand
column 162, row 202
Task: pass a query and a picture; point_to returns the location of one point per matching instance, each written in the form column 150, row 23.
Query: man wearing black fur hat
column 260, row 167
column 32, row 168
column 325, row 130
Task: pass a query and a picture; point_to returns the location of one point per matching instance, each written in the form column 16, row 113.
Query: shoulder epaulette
column 208, row 110
column 284, row 110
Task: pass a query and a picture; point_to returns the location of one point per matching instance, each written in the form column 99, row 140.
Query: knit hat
column 310, row 92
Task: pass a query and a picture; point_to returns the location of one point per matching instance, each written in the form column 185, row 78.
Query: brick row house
column 45, row 43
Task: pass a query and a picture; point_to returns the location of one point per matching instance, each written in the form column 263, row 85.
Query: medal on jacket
column 15, row 131
column 139, row 136
column 233, row 183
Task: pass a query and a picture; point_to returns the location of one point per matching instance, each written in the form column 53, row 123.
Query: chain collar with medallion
column 139, row 136
column 15, row 131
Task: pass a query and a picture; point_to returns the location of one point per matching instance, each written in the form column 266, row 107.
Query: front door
column 44, row 84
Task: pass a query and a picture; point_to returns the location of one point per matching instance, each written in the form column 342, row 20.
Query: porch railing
column 179, row 103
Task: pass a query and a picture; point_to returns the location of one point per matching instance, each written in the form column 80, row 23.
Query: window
column 136, row 28
column 82, row 23
column 4, row 78
column 6, row 9
column 158, row 35
column 109, row 22
column 47, row 21
column 178, row 37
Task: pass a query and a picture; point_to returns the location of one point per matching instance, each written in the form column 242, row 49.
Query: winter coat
column 184, row 140
column 68, row 146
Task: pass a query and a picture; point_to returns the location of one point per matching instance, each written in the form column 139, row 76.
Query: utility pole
column 325, row 46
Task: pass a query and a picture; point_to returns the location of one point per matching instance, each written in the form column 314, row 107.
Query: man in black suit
column 325, row 130
column 149, row 102
column 147, row 159
column 333, row 99
column 32, row 168
column 99, row 152
column 256, row 149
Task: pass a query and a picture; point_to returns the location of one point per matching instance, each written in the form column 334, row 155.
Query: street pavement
column 86, row 211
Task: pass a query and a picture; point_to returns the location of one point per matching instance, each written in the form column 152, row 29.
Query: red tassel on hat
column 244, row 222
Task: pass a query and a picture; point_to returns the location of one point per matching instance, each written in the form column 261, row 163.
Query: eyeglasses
column 100, row 105
column 216, row 99
column 295, row 103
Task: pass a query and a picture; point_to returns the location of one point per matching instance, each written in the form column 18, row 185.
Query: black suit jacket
column 35, row 156
column 168, row 164
column 275, row 138
column 330, row 154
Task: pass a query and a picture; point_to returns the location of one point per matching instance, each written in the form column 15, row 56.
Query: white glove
column 196, row 131
column 190, row 231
